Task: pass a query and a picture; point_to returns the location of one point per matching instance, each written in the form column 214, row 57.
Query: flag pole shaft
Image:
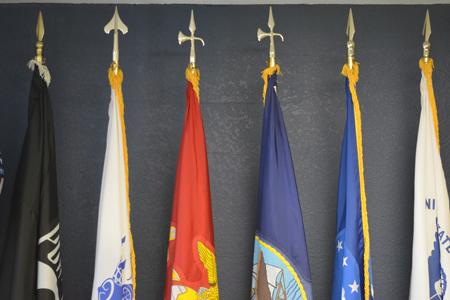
column 192, row 38
column 40, row 30
column 260, row 34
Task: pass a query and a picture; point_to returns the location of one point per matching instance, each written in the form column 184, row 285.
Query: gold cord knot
column 265, row 74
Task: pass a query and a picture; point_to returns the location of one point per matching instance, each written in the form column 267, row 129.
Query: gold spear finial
column 115, row 24
column 350, row 43
column 261, row 35
column 426, row 32
column 183, row 38
column 40, row 31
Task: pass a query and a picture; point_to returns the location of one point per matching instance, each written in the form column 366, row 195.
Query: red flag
column 191, row 261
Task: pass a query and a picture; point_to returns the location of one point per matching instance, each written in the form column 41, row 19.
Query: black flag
column 31, row 264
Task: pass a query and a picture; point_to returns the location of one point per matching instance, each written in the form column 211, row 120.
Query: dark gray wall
column 388, row 45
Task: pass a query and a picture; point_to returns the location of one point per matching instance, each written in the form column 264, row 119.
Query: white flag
column 431, row 244
column 114, row 257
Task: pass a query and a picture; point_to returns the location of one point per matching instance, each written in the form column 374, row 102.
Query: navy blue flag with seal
column 31, row 263
column 280, row 260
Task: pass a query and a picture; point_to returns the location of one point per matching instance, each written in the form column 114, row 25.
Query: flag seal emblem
column 113, row 288
column 438, row 278
column 273, row 275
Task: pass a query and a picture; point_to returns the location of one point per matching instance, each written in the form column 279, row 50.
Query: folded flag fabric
column 191, row 261
column 352, row 264
column 31, row 263
column 115, row 271
column 280, row 261
column 431, row 242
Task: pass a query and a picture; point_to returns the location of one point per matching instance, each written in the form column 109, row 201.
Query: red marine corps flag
column 191, row 262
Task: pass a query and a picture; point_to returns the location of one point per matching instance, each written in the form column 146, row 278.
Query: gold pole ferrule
column 39, row 52
column 350, row 53
column 426, row 51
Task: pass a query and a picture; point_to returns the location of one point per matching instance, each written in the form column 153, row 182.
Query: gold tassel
column 265, row 74
column 427, row 69
column 116, row 83
column 193, row 76
column 353, row 76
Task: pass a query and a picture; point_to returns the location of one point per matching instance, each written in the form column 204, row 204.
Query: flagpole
column 115, row 24
column 272, row 66
column 261, row 35
column 426, row 33
column 350, row 43
column 192, row 38
column 40, row 31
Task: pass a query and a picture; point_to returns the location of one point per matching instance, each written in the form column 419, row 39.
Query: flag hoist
column 31, row 263
column 115, row 273
column 352, row 264
column 191, row 261
column 431, row 242
column 280, row 260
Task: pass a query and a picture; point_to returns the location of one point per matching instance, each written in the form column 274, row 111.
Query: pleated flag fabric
column 431, row 242
column 191, row 261
column 352, row 278
column 280, row 261
column 115, row 274
column 31, row 264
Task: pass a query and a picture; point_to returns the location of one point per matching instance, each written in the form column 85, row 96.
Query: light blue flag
column 352, row 268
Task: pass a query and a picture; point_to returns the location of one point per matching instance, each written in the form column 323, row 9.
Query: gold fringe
column 115, row 81
column 265, row 74
column 193, row 76
column 427, row 69
column 353, row 76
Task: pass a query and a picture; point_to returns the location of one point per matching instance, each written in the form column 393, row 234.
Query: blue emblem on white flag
column 114, row 277
column 437, row 277
column 431, row 242
column 116, row 287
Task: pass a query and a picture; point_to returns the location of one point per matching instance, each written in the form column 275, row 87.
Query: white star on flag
column 344, row 261
column 339, row 246
column 354, row 286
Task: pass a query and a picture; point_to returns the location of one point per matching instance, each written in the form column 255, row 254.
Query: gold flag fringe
column 427, row 69
column 353, row 76
column 115, row 81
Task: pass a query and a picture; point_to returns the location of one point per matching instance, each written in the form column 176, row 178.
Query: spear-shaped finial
column 261, row 35
column 183, row 38
column 40, row 31
column 426, row 32
column 350, row 43
column 117, row 25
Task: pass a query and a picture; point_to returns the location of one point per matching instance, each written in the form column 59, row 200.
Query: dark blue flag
column 352, row 268
column 280, row 263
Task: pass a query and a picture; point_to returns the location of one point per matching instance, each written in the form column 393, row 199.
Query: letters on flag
column 352, row 265
column 431, row 242
column 115, row 272
column 31, row 263
column 191, row 261
column 280, row 260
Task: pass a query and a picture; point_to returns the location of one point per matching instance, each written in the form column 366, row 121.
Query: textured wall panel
column 388, row 45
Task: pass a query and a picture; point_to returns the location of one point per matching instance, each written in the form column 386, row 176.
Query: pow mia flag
column 31, row 263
